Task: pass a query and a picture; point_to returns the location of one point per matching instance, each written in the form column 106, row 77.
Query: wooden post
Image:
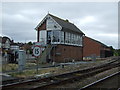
column 37, row 65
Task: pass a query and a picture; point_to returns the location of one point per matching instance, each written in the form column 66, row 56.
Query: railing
column 45, row 53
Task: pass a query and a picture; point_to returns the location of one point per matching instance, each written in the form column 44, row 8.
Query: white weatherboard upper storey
column 52, row 24
column 60, row 37
column 43, row 36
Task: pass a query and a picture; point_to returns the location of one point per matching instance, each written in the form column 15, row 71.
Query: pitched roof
column 97, row 41
column 4, row 39
column 66, row 24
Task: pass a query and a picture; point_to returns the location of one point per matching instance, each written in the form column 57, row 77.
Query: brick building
column 63, row 40
column 95, row 48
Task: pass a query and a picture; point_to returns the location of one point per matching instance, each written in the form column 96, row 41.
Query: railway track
column 61, row 79
column 94, row 84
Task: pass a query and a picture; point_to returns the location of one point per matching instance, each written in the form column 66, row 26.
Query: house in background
column 6, row 43
column 14, row 46
column 95, row 48
column 63, row 40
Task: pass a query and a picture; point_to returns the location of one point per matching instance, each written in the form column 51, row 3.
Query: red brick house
column 63, row 40
column 96, row 48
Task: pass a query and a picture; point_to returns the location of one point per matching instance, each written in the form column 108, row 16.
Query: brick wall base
column 67, row 53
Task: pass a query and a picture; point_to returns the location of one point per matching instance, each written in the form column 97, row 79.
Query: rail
column 66, row 77
column 98, row 81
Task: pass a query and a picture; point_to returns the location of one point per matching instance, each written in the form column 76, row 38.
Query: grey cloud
column 21, row 27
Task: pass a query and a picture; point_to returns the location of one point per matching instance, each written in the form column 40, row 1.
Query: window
column 69, row 38
column 43, row 36
column 48, row 37
column 79, row 40
column 75, row 39
column 62, row 37
column 66, row 37
column 56, row 36
column 72, row 38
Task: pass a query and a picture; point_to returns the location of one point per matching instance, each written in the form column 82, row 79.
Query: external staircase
column 45, row 53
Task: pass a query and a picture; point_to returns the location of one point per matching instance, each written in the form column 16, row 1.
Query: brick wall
column 90, row 47
column 66, row 53
column 42, row 27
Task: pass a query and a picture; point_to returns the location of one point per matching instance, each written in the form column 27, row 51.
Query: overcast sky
column 97, row 20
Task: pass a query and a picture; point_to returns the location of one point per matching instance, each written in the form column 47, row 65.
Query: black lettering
column 36, row 51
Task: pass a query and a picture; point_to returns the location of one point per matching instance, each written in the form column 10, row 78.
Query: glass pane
column 77, row 39
column 62, row 36
column 66, row 37
column 56, row 36
column 72, row 39
column 48, row 37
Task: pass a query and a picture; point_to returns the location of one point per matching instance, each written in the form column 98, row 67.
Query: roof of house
column 65, row 24
column 97, row 41
column 4, row 39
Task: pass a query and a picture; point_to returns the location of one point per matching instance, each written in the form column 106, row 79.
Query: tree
column 116, row 52
column 30, row 43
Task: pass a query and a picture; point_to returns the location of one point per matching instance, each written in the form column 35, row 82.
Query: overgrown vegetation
column 32, row 73
column 30, row 65
column 8, row 67
column 116, row 52
column 55, row 70
column 29, row 49
column 23, row 74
